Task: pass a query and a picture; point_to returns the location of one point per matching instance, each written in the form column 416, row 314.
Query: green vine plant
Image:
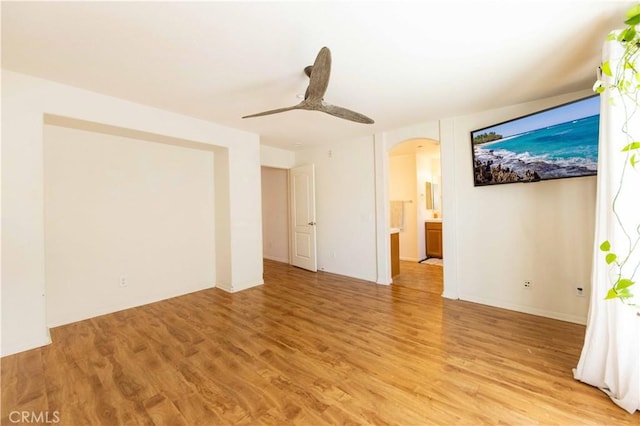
column 624, row 80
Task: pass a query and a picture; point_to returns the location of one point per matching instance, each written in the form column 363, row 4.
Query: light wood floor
column 419, row 276
column 309, row 349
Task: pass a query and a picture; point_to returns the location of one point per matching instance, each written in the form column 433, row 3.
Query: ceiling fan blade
column 345, row 113
column 320, row 73
column 273, row 111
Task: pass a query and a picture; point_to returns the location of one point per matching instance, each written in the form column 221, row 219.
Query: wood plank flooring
column 309, row 349
column 419, row 276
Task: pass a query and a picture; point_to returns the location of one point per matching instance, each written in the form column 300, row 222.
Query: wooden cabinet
column 433, row 238
column 395, row 254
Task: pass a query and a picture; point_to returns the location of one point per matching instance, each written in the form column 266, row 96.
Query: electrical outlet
column 580, row 291
column 123, row 281
column 527, row 284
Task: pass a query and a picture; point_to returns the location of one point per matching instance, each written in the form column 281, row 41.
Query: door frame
column 443, row 131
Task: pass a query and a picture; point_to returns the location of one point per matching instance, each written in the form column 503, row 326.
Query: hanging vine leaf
column 632, row 160
column 633, row 15
column 605, row 246
column 606, row 69
column 610, row 258
column 623, row 283
column 631, row 146
column 624, row 294
column 621, row 294
column 611, row 294
column 627, row 35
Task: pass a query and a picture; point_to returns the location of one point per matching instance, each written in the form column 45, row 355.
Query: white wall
column 120, row 207
column 277, row 157
column 345, row 207
column 498, row 236
column 428, row 170
column 275, row 214
column 542, row 232
column 25, row 102
column 493, row 237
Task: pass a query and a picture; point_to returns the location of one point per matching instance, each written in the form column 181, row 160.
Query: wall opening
column 130, row 218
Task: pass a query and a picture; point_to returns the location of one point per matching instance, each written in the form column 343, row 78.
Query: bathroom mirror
column 428, row 196
column 436, row 196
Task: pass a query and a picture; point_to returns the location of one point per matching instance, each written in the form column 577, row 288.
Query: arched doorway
column 415, row 213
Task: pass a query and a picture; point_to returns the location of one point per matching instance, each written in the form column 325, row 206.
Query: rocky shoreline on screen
column 492, row 171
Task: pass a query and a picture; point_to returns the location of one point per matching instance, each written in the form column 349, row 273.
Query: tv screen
column 559, row 142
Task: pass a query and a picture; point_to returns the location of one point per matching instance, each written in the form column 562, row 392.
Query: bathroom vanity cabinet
column 395, row 252
column 433, row 238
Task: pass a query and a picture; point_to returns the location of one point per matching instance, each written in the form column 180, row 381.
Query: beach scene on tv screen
column 561, row 142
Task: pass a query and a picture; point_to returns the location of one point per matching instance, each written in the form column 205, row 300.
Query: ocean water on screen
column 574, row 143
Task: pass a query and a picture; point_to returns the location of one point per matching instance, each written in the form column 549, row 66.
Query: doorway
column 415, row 196
column 275, row 214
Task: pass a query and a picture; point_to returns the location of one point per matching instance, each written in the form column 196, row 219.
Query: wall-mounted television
column 558, row 142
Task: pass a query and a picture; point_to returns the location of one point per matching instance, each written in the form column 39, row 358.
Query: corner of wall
column 235, row 288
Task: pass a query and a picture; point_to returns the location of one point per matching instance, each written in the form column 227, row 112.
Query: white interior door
column 303, row 218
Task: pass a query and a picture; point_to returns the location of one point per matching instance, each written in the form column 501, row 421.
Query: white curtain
column 610, row 357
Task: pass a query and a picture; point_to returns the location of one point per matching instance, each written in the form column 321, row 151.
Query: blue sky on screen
column 573, row 111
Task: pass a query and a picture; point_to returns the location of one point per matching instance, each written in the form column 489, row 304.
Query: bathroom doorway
column 415, row 195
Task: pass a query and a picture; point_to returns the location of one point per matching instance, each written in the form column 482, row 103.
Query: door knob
column 311, row 223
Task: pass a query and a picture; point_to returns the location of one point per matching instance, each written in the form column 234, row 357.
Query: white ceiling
column 400, row 63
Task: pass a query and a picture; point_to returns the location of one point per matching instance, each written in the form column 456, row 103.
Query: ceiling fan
column 318, row 74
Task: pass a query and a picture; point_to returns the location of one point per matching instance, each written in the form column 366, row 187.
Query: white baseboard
column 81, row 315
column 526, row 309
column 276, row 258
column 234, row 288
column 12, row 349
column 450, row 295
